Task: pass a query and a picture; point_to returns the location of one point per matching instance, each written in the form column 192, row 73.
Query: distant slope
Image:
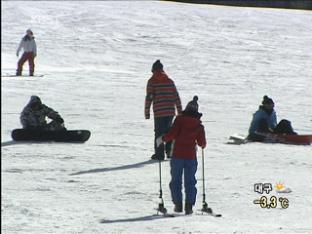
column 289, row 4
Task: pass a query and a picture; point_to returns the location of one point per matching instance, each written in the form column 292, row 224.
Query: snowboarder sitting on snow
column 28, row 44
column 264, row 121
column 187, row 131
column 34, row 116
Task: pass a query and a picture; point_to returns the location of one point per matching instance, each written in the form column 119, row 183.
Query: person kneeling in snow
column 34, row 116
column 187, row 131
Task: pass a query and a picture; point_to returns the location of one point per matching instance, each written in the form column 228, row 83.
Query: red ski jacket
column 162, row 92
column 187, row 131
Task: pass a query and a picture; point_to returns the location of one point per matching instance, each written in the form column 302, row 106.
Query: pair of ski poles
column 161, row 206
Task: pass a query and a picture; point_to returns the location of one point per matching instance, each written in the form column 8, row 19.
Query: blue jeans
column 189, row 167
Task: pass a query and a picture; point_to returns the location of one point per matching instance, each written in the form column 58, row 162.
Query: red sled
column 289, row 139
column 274, row 138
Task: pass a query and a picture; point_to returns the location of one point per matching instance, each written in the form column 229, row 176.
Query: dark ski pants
column 26, row 56
column 256, row 137
column 52, row 126
column 189, row 167
column 55, row 126
column 161, row 127
column 263, row 127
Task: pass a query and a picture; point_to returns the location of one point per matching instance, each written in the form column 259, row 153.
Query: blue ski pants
column 189, row 167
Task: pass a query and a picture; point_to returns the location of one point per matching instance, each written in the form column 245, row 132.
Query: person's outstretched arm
column 178, row 101
column 19, row 48
column 34, row 48
column 201, row 138
column 148, row 100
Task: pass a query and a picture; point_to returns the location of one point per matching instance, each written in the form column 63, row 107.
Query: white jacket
column 28, row 46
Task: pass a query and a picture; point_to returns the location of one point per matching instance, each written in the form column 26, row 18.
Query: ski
column 170, row 215
column 163, row 212
column 213, row 214
column 167, row 215
column 200, row 212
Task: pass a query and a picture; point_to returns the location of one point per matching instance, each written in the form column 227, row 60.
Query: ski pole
column 160, row 187
column 205, row 205
column 161, row 206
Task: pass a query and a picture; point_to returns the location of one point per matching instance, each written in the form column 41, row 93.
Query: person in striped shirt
column 162, row 93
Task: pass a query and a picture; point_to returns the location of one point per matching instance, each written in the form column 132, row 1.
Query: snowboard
column 58, row 136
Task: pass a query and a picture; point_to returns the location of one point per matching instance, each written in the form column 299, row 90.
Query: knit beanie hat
column 34, row 101
column 29, row 31
column 267, row 100
column 157, row 66
column 192, row 105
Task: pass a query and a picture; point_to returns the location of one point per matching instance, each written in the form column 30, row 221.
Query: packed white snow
column 96, row 59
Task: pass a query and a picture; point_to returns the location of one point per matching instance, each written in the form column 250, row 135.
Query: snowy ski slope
column 96, row 58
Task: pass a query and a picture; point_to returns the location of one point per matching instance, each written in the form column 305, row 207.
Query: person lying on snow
column 34, row 116
column 187, row 131
column 264, row 121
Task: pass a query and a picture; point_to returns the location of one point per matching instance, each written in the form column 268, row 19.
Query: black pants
column 161, row 127
column 256, row 137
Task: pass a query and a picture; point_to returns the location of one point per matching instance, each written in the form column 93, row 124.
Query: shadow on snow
column 125, row 167
column 137, row 219
column 8, row 143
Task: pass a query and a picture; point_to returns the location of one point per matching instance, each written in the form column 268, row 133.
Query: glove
column 147, row 116
column 17, row 54
column 59, row 120
column 159, row 141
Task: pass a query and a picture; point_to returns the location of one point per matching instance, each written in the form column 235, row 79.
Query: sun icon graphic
column 279, row 186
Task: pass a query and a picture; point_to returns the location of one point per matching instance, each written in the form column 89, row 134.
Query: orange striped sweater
column 162, row 92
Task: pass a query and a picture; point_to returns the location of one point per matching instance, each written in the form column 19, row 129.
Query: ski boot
column 188, row 208
column 178, row 207
column 156, row 157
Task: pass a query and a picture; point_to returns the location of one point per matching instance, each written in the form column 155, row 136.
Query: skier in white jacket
column 28, row 44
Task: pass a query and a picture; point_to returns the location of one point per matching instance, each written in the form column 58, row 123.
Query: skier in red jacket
column 187, row 131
